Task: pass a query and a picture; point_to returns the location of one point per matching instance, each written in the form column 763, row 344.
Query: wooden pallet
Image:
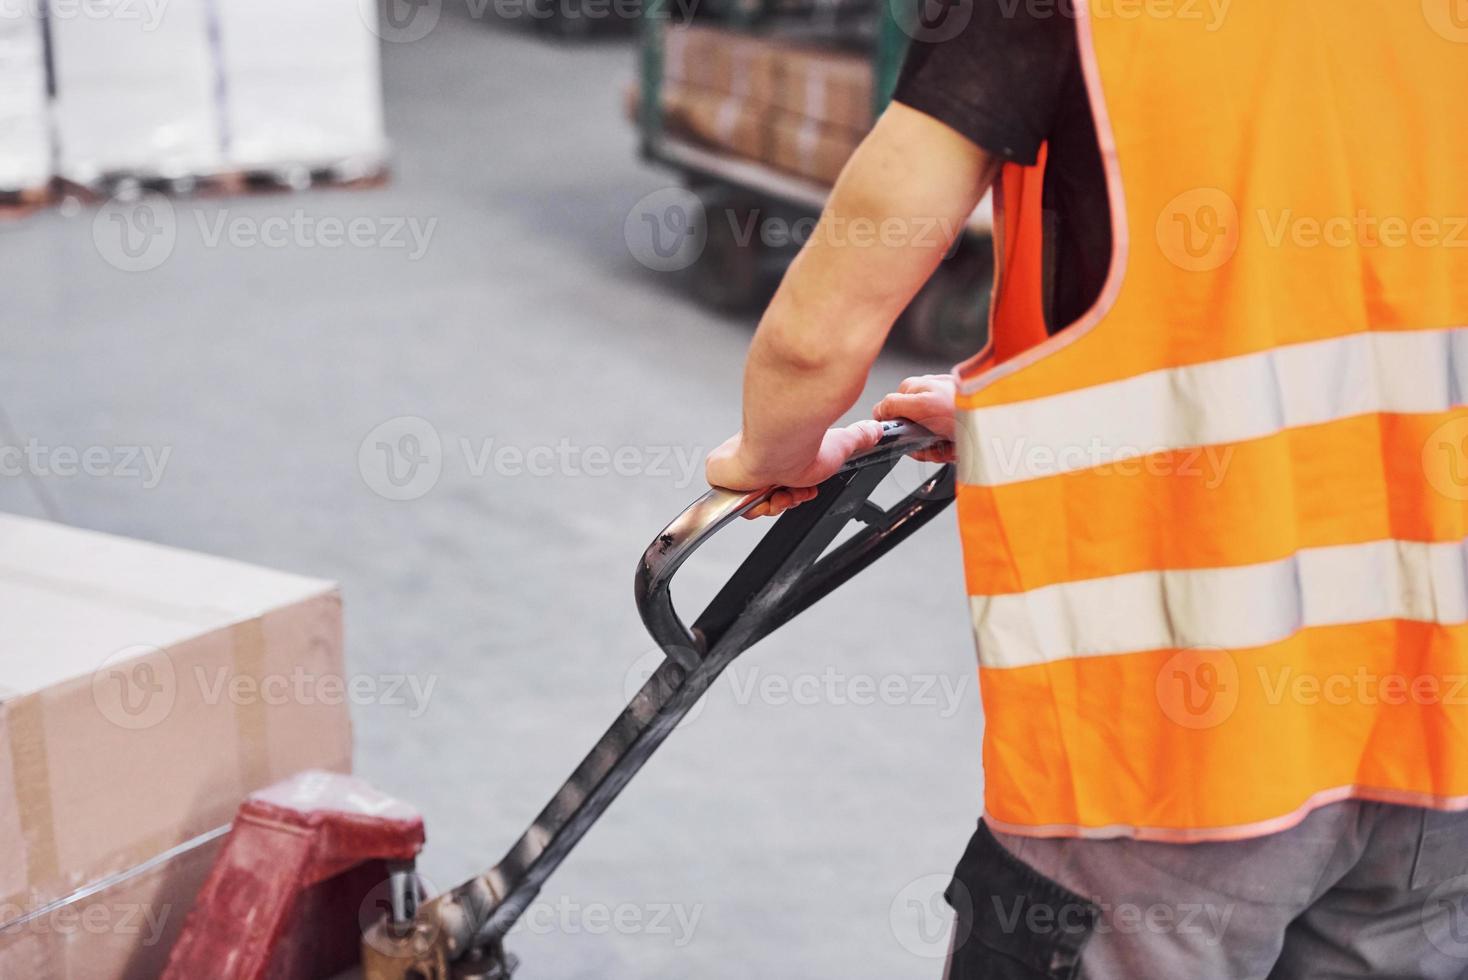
column 19, row 202
column 231, row 183
column 348, row 176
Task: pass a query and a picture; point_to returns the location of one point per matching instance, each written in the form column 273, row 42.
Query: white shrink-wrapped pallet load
column 136, row 89
column 302, row 85
column 25, row 140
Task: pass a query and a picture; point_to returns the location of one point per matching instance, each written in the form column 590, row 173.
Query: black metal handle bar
column 783, row 576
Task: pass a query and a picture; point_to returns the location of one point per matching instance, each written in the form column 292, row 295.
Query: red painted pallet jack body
column 303, row 869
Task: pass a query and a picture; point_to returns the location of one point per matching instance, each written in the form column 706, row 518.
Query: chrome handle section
column 707, row 515
column 669, row 550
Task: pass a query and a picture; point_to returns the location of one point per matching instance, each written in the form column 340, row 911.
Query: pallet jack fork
column 459, row 935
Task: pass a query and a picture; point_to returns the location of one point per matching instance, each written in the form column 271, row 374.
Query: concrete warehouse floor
column 793, row 828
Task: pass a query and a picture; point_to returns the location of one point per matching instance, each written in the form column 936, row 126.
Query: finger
column 860, row 436
column 941, row 453
column 903, row 406
column 794, row 497
column 803, row 494
column 931, row 382
column 933, row 410
column 757, row 511
column 780, row 502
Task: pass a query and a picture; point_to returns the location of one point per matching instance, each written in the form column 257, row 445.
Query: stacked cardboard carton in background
column 144, row 692
column 25, row 138
column 718, row 88
column 798, row 107
column 823, row 108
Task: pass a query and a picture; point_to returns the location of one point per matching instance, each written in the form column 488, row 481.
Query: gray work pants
column 1356, row 890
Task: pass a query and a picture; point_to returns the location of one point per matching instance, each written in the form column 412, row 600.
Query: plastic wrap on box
column 144, row 691
column 25, row 142
column 135, row 88
column 301, row 83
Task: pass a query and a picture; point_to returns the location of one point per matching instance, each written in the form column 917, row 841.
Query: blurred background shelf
column 756, row 106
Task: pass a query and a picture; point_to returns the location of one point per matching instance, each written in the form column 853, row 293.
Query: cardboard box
column 831, row 87
column 809, row 149
column 135, row 89
column 144, row 691
column 721, row 61
column 25, row 138
column 796, row 106
column 727, row 122
column 301, row 83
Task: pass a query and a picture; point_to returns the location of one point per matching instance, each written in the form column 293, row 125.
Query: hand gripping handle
column 782, row 577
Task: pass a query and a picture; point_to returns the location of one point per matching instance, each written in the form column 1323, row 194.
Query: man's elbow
column 819, row 337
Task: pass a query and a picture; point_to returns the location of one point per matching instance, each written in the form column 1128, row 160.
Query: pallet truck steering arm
column 459, row 935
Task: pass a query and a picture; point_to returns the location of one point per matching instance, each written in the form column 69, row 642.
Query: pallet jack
column 282, row 900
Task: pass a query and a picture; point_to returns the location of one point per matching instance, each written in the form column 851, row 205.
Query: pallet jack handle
column 459, row 935
column 779, row 580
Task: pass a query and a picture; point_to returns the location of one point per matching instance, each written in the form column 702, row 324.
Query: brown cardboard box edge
column 201, row 671
column 122, row 931
column 108, row 805
column 720, row 120
column 737, row 64
column 831, row 86
column 808, row 149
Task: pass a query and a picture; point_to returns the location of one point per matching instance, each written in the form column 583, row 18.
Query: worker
column 1226, row 723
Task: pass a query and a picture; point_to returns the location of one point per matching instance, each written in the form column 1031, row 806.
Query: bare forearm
column 902, row 199
column 795, row 388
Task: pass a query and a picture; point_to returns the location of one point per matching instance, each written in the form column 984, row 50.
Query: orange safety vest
column 1214, row 532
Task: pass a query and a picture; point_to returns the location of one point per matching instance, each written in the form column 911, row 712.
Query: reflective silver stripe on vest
column 1232, row 608
column 1225, row 401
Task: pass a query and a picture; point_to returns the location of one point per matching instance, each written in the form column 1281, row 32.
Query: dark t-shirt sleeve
column 999, row 80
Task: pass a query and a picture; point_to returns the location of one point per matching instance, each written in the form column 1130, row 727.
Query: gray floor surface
column 798, row 826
